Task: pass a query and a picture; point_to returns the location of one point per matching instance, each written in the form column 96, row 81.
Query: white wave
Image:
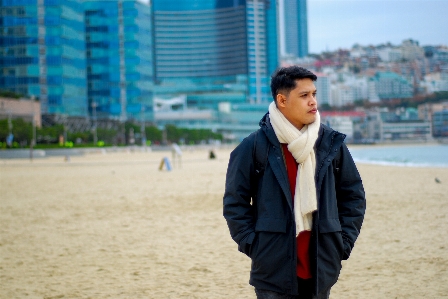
column 395, row 163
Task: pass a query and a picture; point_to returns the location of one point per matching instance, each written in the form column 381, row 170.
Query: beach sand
column 112, row 225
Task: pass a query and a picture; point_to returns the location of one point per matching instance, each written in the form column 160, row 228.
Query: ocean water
column 402, row 155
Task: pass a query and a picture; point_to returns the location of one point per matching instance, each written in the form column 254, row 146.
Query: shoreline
column 398, row 144
column 68, row 155
column 24, row 153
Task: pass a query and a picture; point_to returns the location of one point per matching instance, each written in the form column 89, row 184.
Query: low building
column 21, row 108
column 344, row 122
column 405, row 131
column 383, row 125
column 236, row 121
column 427, row 110
column 175, row 111
column 440, row 123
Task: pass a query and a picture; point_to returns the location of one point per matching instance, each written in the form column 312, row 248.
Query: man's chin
column 312, row 120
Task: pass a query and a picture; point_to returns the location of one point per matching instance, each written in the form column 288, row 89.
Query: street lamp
column 33, row 140
column 142, row 128
column 95, row 136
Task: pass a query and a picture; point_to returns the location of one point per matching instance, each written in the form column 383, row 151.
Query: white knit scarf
column 300, row 144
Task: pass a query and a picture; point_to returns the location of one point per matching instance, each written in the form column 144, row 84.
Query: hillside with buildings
column 383, row 93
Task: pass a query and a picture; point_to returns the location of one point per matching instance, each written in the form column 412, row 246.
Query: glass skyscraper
column 296, row 27
column 42, row 51
column 119, row 59
column 263, row 49
column 216, row 44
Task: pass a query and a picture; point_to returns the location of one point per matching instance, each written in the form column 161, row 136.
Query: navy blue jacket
column 263, row 225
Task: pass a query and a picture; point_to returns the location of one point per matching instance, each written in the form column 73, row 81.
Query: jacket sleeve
column 237, row 208
column 351, row 200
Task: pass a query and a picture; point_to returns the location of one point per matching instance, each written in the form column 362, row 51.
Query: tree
column 48, row 135
column 21, row 130
column 10, row 94
column 153, row 134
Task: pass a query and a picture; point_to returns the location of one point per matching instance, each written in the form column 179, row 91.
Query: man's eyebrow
column 308, row 91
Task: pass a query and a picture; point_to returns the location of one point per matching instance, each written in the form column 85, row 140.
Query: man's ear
column 281, row 100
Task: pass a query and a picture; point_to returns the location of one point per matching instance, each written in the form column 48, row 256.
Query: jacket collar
column 267, row 128
column 328, row 139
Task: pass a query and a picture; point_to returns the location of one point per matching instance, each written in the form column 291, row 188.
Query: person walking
column 294, row 201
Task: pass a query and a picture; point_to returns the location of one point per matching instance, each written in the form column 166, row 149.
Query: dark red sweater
column 303, row 239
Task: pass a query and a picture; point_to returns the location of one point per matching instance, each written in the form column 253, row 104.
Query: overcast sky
column 334, row 24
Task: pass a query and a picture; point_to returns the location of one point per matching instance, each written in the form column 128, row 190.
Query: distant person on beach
column 294, row 200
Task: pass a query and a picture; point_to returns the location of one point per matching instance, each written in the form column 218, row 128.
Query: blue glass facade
column 296, row 28
column 272, row 38
column 199, row 39
column 201, row 43
column 43, row 53
column 119, row 59
column 263, row 48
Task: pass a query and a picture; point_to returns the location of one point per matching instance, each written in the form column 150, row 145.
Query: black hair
column 284, row 79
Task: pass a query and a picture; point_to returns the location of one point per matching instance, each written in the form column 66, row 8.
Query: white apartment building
column 342, row 124
column 351, row 89
column 357, row 51
column 341, row 95
column 435, row 82
column 323, row 89
column 410, row 50
column 390, row 54
column 442, row 54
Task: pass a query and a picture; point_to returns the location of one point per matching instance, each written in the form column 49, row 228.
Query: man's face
column 300, row 105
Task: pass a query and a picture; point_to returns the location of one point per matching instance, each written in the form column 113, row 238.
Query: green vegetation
column 52, row 137
column 10, row 94
column 189, row 136
column 21, row 130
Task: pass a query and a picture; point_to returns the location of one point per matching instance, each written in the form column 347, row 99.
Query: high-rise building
column 263, row 51
column 211, row 45
column 42, row 50
column 295, row 29
column 119, row 59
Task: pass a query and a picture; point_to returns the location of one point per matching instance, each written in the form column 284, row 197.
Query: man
column 300, row 213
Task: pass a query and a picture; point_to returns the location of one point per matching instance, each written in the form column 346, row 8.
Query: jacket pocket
column 246, row 245
column 271, row 246
column 330, row 230
column 330, row 252
column 266, row 231
column 329, row 225
column 272, row 225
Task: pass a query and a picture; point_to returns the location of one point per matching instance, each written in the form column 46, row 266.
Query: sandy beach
column 112, row 225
